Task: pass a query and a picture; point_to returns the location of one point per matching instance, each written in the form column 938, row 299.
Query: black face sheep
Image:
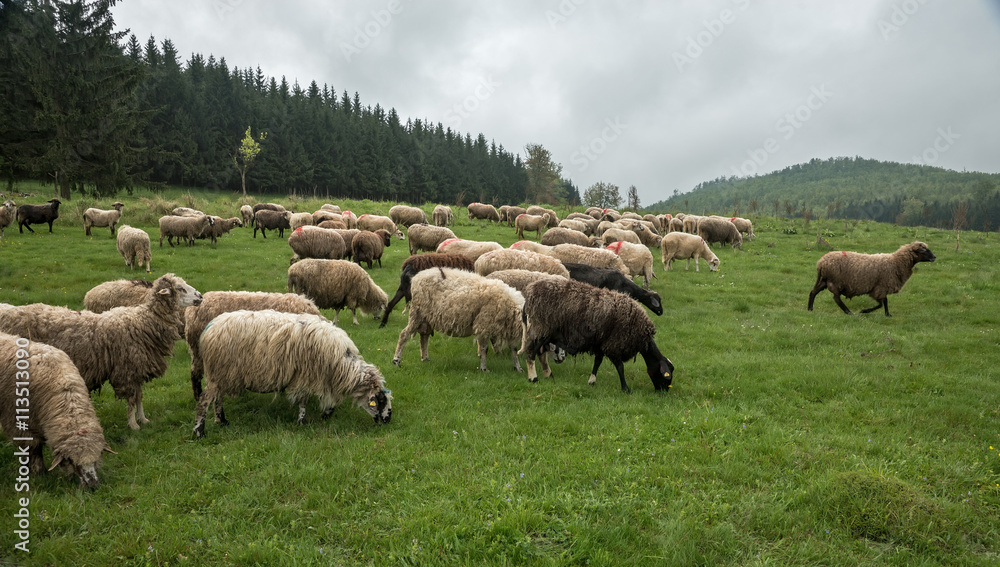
column 316, row 242
column 266, row 219
column 28, row 215
column 187, row 228
column 418, row 263
column 443, row 215
column 8, row 211
column 337, row 284
column 684, row 246
column 719, row 230
column 215, row 303
column 369, row 246
column 462, row 304
column 62, row 415
column 405, row 215
column 299, row 354
column 610, row 278
column 578, row 317
column 542, row 211
column 133, row 245
column 875, row 275
column 97, row 217
column 126, row 346
column 427, row 237
column 483, row 211
column 637, row 258
column 510, row 259
column 471, row 249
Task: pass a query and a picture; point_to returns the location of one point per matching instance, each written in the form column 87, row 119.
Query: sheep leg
column 687, row 267
column 199, row 413
column 598, row 359
column 336, row 315
column 327, row 413
column 529, row 360
column 820, row 286
column 50, row 226
column 517, row 363
column 483, row 346
column 302, row 414
column 36, row 460
column 220, row 412
column 354, row 312
column 142, row 414
column 425, row 338
column 883, row 303
column 621, row 375
column 404, row 336
column 546, row 369
column 196, row 374
column 840, row 302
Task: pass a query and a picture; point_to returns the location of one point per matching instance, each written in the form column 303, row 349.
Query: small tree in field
column 245, row 154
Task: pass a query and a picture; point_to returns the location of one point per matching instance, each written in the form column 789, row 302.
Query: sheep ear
column 164, row 291
column 108, row 449
column 59, row 459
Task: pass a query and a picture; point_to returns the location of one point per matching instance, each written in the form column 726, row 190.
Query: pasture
column 789, row 437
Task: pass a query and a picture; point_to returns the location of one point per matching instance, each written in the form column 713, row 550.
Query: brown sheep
column 560, row 235
column 316, row 242
column 368, row 246
column 483, row 211
column 404, row 215
column 719, row 230
column 540, row 211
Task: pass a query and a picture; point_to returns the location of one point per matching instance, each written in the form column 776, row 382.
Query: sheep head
column 921, row 253
column 81, row 454
column 658, row 367
column 169, row 284
column 378, row 401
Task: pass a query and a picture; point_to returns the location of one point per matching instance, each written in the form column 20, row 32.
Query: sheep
column 592, row 256
column 331, row 208
column 369, row 246
column 266, row 219
column 7, row 214
column 443, row 215
column 185, row 212
column 133, row 245
column 125, row 346
column 559, row 235
column 631, row 215
column 648, row 238
column 530, row 222
column 372, row 223
column 691, row 223
column 519, row 279
column 532, row 246
column 337, row 284
column 681, row 246
column 578, row 317
column 416, row 264
column 509, row 259
column 637, row 258
column 321, row 215
column 594, row 212
column 502, row 210
column 97, row 217
column 610, row 215
column 332, row 223
column 28, row 215
column 540, row 211
column 348, row 235
column 471, row 249
column 619, row 235
column 405, row 215
column 575, row 224
column 300, row 219
column 744, row 226
column 483, row 211
column 653, row 220
column 719, row 230
column 605, row 225
column 512, row 212
column 316, row 242
column 462, row 304
column 610, row 278
column 246, row 215
column 874, row 275
column 62, row 414
column 676, row 225
column 219, row 227
column 267, row 207
column 215, row 303
column 301, row 354
column 427, row 237
column 350, row 219
column 183, row 227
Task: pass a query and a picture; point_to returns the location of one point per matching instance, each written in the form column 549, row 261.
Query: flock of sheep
column 571, row 291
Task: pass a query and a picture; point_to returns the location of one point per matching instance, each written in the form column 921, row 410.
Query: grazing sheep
column 875, row 275
column 471, row 249
column 519, row 259
column 97, row 217
column 427, row 237
column 316, row 242
column 332, row 223
column 331, row 208
column 187, row 228
column 405, row 215
column 117, row 293
column 578, row 317
column 719, row 230
column 502, row 210
column 350, row 219
column 215, row 303
column 594, row 212
column 619, row 235
column 373, row 223
column 266, row 219
column 559, row 235
column 267, row 207
column 133, row 245
column 676, row 225
column 684, row 246
column 512, row 212
column 648, row 238
column 637, row 258
column 28, row 215
column 246, row 215
column 300, row 219
column 744, row 226
column 7, row 214
column 348, row 235
column 219, row 227
column 369, row 246
column 610, row 278
column 541, row 211
column 125, row 346
column 185, row 212
column 443, row 215
column 598, row 257
column 483, row 211
column 299, row 354
column 653, row 220
column 416, row 264
column 691, row 223
column 462, row 304
column 532, row 246
column 321, row 215
column 519, row 279
column 530, row 222
column 577, row 225
column 337, row 284
column 631, row 215
column 61, row 415
column 610, row 215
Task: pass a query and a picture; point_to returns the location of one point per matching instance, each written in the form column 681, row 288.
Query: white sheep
column 684, row 246
column 97, row 217
column 471, row 249
column 185, row 212
column 532, row 246
column 560, row 235
column 597, row 257
column 614, row 234
column 509, row 259
column 531, row 222
column 316, row 242
column 637, row 258
column 462, row 304
column 374, row 222
column 337, row 284
column 300, row 219
column 8, row 212
column 427, row 237
column 246, row 215
column 443, row 215
column 133, row 245
column 519, row 279
column 300, row 354
column 186, row 227
column 536, row 210
column 405, row 215
column 744, row 226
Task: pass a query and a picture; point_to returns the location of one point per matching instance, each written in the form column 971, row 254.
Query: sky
column 658, row 94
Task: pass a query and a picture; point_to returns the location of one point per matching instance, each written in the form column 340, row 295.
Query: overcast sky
column 657, row 94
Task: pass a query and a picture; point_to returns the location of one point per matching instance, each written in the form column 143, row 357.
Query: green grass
column 789, row 437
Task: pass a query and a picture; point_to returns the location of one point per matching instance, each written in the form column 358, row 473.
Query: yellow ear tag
column 372, row 403
column 666, row 375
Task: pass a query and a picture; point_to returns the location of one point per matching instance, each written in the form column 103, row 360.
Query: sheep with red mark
column 471, row 249
column 637, row 258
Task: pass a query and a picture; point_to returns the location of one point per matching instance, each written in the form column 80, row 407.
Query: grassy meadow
column 789, row 437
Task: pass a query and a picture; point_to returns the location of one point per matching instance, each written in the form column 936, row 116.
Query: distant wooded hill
column 855, row 187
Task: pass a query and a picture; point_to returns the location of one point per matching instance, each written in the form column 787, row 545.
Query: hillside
column 855, row 187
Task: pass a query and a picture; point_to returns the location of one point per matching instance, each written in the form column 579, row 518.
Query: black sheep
column 415, row 264
column 610, row 278
column 28, row 215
